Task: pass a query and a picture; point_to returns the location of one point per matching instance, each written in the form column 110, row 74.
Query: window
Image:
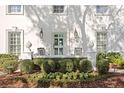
column 58, row 9
column 41, row 51
column 78, row 51
column 101, row 41
column 58, row 44
column 101, row 9
column 14, row 42
column 14, row 9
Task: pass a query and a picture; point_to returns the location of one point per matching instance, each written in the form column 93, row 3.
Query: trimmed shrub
column 69, row 65
column 49, row 66
column 10, row 66
column 82, row 76
column 26, row 66
column 101, row 56
column 102, row 66
column 85, row 65
column 62, row 66
column 39, row 62
column 76, row 64
column 52, row 65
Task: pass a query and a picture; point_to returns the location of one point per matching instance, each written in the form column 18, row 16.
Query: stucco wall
column 83, row 19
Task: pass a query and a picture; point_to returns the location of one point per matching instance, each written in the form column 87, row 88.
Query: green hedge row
column 9, row 63
column 63, row 65
column 61, row 76
column 61, row 79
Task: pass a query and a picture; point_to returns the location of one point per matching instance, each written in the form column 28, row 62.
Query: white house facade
column 61, row 31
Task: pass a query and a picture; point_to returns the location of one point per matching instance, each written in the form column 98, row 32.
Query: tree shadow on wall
column 42, row 17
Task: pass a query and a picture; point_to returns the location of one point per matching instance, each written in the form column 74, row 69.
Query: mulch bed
column 8, row 81
column 115, row 81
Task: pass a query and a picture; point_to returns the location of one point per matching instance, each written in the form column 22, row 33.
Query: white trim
column 65, row 12
column 15, row 29
column 106, row 40
column 15, row 13
column 103, row 14
column 64, row 43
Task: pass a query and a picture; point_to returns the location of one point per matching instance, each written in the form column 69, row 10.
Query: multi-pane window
column 58, row 9
column 101, row 41
column 101, row 9
column 78, row 51
column 14, row 42
column 15, row 9
column 58, row 43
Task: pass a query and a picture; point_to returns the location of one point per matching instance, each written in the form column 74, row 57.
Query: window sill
column 61, row 14
column 14, row 13
column 102, row 14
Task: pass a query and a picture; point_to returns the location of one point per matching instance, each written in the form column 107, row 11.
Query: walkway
column 120, row 71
